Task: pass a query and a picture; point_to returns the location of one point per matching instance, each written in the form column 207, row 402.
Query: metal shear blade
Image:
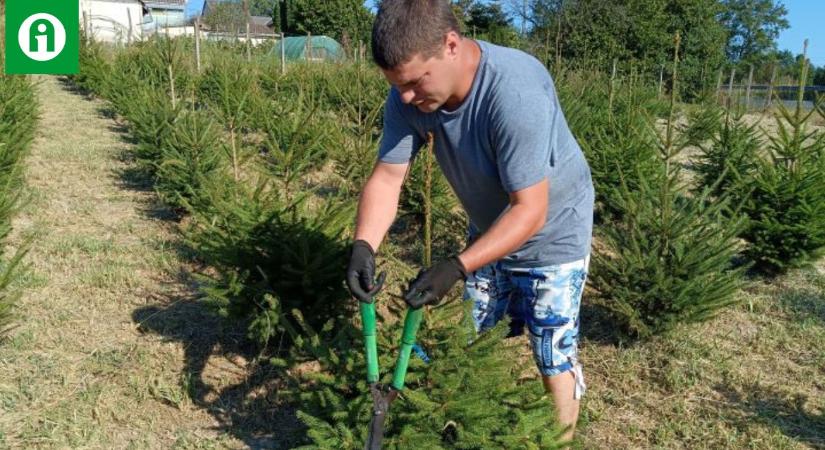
column 382, row 397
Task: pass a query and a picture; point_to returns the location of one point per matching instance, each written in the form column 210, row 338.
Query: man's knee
column 568, row 384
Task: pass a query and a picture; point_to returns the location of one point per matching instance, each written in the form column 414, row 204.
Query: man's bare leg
column 563, row 388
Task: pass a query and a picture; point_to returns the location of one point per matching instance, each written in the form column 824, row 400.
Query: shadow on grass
column 805, row 303
column 72, row 87
column 242, row 407
column 784, row 412
column 597, row 326
column 135, row 178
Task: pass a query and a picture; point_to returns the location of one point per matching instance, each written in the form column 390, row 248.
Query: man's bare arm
column 378, row 203
column 524, row 218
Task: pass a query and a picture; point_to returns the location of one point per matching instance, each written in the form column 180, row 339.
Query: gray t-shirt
column 508, row 134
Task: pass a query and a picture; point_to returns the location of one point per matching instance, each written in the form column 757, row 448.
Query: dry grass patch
column 747, row 379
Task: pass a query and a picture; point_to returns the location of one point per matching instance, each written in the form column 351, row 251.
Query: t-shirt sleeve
column 400, row 142
column 521, row 131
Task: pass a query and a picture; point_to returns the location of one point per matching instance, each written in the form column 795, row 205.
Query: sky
column 807, row 20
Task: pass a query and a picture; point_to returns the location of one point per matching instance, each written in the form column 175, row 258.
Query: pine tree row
column 18, row 120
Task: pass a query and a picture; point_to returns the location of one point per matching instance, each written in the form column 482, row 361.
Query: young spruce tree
column 786, row 208
column 668, row 259
column 727, row 161
column 190, row 155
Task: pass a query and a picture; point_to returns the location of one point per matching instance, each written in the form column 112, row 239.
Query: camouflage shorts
column 545, row 300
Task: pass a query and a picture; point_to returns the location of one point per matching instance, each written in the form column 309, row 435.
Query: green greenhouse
column 312, row 48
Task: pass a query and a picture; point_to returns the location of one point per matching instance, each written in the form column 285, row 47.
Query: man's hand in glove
column 431, row 284
column 361, row 271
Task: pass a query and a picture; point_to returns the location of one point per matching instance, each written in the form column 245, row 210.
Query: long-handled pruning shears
column 383, row 396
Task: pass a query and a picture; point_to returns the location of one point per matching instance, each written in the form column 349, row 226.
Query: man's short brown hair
column 404, row 28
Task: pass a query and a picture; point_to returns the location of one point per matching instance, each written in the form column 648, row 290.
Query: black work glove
column 431, row 284
column 361, row 271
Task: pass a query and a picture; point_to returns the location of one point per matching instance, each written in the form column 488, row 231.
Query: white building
column 116, row 21
column 126, row 21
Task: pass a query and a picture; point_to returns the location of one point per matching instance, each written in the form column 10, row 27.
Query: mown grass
column 79, row 371
column 752, row 378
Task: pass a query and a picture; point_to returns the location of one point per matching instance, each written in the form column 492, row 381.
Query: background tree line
column 637, row 34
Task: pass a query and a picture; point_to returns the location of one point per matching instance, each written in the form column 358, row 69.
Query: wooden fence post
column 247, row 18
column 248, row 43
column 802, row 79
column 283, row 53
column 769, row 97
column 129, row 14
column 198, row 44
column 748, row 90
column 661, row 81
column 557, row 60
column 612, row 86
column 172, row 85
column 86, row 27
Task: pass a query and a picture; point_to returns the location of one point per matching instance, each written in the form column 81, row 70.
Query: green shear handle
column 383, row 396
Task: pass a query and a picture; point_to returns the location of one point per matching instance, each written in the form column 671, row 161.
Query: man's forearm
column 506, row 235
column 376, row 212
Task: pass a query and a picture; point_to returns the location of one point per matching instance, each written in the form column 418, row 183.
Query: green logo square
column 42, row 36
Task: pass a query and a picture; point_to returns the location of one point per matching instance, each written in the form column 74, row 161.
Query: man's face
column 426, row 84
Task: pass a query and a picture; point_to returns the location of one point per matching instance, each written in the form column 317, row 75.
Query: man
column 504, row 146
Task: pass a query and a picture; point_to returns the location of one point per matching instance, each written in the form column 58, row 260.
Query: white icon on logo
column 44, row 41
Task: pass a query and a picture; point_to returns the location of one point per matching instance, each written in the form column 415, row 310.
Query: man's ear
column 451, row 43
